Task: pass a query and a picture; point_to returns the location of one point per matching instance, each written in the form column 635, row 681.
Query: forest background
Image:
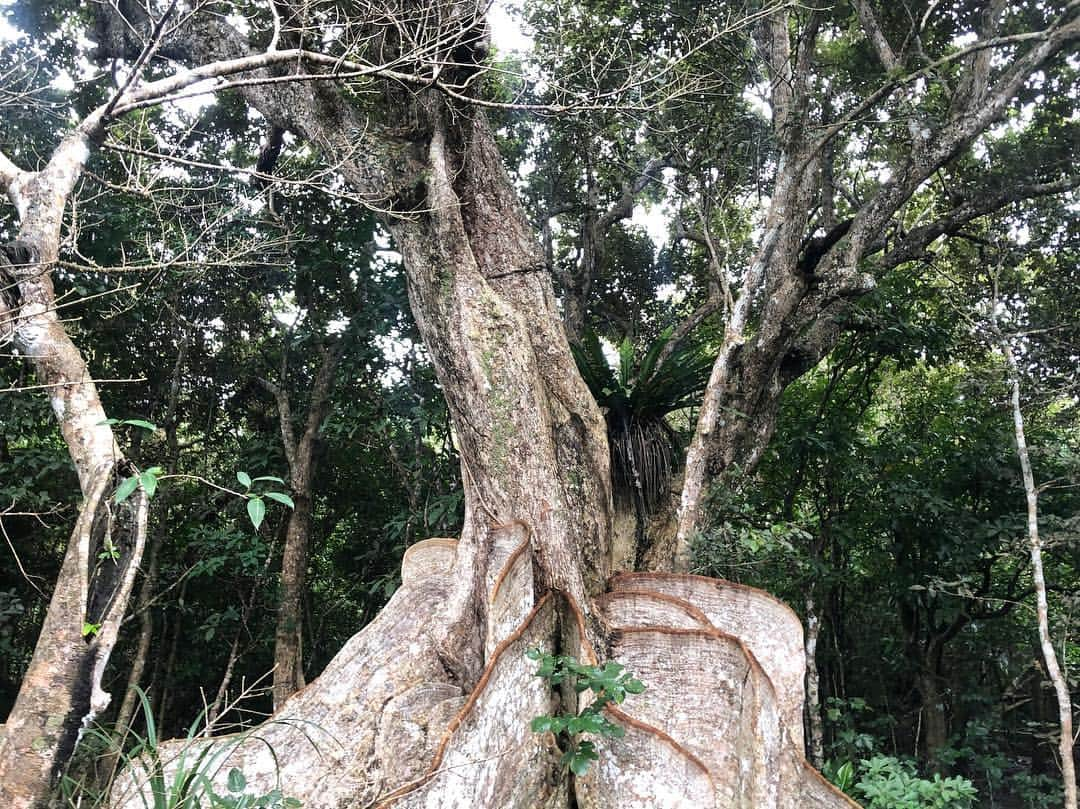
column 252, row 350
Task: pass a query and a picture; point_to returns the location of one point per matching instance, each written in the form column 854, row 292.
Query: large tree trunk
column 385, row 725
column 430, row 704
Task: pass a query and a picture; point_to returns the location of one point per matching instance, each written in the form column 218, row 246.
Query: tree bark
column 935, row 730
column 61, row 691
column 813, row 691
column 301, row 455
column 1042, row 609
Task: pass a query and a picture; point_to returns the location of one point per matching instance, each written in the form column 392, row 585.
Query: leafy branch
column 610, row 684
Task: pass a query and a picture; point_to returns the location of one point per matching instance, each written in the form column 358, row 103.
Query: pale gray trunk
column 1042, row 609
column 813, row 690
column 61, row 691
column 144, row 601
column 213, row 711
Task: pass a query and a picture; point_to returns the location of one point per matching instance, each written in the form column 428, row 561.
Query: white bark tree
column 1038, row 577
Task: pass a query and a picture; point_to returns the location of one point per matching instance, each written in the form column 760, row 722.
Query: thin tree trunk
column 61, row 690
column 289, row 635
column 1053, row 669
column 170, row 660
column 142, row 650
column 302, row 458
column 214, row 710
column 149, row 585
column 813, row 690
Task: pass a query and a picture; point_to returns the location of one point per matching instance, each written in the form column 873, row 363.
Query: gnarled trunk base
column 386, row 726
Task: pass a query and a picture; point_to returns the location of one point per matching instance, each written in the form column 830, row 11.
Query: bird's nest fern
column 636, row 396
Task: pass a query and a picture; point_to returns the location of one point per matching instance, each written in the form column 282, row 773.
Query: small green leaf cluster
column 610, row 684
column 90, row 629
column 148, row 479
column 238, row 799
column 886, row 782
column 256, row 504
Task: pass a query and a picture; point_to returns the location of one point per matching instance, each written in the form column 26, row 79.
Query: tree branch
column 877, row 38
column 288, row 434
column 9, row 174
column 624, row 205
column 915, row 242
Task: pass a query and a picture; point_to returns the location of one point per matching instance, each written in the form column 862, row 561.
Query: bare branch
column 624, row 205
column 912, row 245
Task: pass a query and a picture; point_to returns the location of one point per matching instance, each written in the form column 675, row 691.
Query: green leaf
column 89, row 629
column 236, row 780
column 244, row 478
column 540, row 724
column 586, row 723
column 256, row 509
column 634, row 687
column 626, row 362
column 270, row 478
column 581, row 758
column 149, row 482
column 109, row 422
column 146, row 425
column 126, row 487
column 281, row 498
